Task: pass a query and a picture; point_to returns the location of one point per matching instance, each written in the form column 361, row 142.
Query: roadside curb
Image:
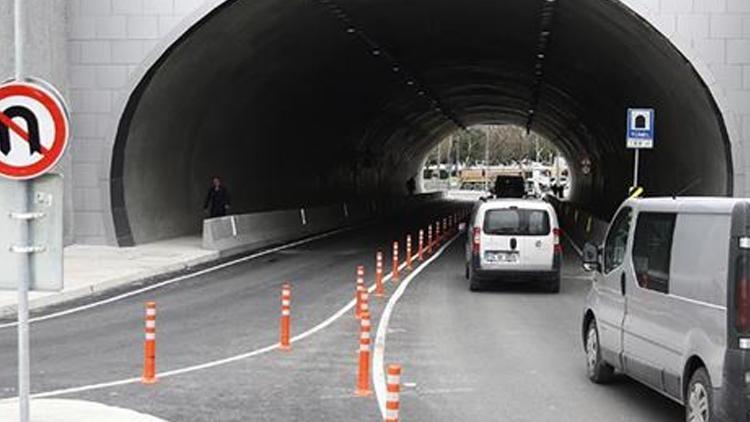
column 69, row 410
column 55, row 299
column 158, row 276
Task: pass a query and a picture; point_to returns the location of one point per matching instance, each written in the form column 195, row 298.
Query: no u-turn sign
column 34, row 130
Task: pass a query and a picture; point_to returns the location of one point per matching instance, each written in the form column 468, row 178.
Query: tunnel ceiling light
column 350, row 26
column 547, row 14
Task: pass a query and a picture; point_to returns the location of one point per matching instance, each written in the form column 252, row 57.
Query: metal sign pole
column 24, row 277
column 24, row 273
column 635, row 167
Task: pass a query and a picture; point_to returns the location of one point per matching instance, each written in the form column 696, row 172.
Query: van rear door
column 518, row 238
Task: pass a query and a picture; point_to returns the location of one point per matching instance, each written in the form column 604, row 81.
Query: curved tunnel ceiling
column 299, row 102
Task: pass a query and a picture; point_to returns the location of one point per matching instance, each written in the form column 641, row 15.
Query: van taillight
column 557, row 233
column 475, row 242
column 742, row 295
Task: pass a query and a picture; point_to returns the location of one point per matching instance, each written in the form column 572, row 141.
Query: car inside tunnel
column 306, row 102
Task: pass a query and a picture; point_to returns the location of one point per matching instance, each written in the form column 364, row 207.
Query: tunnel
column 304, row 102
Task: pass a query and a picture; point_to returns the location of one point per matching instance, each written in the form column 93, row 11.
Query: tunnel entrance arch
column 300, row 103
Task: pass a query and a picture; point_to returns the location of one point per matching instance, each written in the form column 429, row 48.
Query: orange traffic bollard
column 149, row 349
column 360, row 288
column 408, row 252
column 395, row 274
column 363, row 375
column 420, row 252
column 364, row 307
column 393, row 397
column 379, row 290
column 429, row 240
column 286, row 316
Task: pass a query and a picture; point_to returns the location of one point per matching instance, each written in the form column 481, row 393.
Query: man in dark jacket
column 217, row 201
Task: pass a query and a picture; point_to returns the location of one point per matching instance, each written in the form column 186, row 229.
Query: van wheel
column 699, row 403
column 599, row 371
column 474, row 284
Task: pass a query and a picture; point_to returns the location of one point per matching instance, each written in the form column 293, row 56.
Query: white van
column 670, row 304
column 513, row 240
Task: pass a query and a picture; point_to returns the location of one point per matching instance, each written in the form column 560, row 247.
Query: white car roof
column 499, row 203
column 703, row 205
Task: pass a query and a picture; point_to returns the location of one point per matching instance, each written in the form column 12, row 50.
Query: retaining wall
column 236, row 233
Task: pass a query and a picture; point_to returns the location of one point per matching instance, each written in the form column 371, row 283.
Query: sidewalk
column 91, row 269
column 58, row 410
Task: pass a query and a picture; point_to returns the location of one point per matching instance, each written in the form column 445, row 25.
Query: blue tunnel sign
column 640, row 128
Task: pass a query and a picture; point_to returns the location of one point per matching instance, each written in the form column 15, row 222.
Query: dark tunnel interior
column 304, row 102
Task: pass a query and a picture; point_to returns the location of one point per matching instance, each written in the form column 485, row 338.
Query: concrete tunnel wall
column 98, row 51
column 299, row 103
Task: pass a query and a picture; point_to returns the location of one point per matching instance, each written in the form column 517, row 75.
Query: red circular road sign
column 34, row 130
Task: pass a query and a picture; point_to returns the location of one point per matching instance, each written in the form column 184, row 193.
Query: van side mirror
column 591, row 257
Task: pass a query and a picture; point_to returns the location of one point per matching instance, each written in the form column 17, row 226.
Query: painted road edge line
column 180, row 278
column 166, row 374
column 378, row 368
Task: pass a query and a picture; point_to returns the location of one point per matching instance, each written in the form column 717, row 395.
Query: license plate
column 505, row 257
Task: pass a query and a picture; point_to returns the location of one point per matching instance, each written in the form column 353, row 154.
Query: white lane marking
column 180, row 278
column 437, row 391
column 378, row 371
column 341, row 312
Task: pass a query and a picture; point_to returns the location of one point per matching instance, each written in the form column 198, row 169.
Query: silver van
column 670, row 304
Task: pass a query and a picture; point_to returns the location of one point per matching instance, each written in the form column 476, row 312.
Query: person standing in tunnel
column 411, row 186
column 217, row 200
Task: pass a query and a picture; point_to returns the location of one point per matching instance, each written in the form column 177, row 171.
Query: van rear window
column 517, row 222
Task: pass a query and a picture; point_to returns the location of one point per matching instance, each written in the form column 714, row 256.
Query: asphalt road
column 510, row 353
column 218, row 315
column 506, row 355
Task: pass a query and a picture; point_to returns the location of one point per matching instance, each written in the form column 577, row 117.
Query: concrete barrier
column 578, row 224
column 242, row 232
